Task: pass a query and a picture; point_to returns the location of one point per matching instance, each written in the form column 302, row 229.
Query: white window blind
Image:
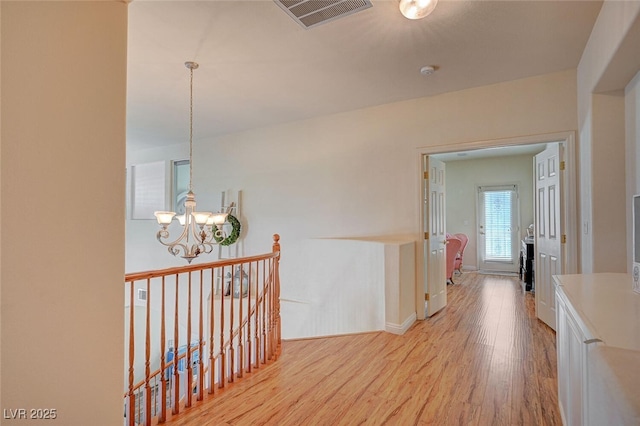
column 148, row 189
column 498, row 214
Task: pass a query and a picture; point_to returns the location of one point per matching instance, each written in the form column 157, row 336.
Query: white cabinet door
column 562, row 348
column 575, row 356
column 570, row 347
column 573, row 345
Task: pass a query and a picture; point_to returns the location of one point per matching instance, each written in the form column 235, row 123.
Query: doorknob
column 481, row 233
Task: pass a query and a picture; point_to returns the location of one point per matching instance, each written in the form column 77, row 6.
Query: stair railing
column 227, row 327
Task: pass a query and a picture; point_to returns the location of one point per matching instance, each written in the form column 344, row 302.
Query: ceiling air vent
column 309, row 13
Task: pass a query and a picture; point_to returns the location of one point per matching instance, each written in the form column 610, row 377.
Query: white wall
column 62, row 203
column 342, row 290
column 399, row 285
column 354, row 174
column 143, row 251
column 464, row 176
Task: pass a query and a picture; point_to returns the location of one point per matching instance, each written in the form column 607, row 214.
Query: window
column 180, row 186
column 147, row 189
column 498, row 221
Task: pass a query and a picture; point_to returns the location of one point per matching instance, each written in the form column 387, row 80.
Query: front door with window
column 498, row 227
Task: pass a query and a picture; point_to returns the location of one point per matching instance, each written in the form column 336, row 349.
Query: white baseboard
column 400, row 328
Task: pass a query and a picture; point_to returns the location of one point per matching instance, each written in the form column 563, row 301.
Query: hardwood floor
column 484, row 360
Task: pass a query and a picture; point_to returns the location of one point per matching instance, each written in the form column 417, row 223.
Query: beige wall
column 632, row 155
column 607, row 183
column 62, row 207
column 1, row 405
column 1, row 203
column 607, row 65
column 347, row 174
column 354, row 174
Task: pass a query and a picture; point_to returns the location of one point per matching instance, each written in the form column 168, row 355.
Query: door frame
column 570, row 191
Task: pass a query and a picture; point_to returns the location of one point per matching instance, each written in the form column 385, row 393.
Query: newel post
column 276, row 248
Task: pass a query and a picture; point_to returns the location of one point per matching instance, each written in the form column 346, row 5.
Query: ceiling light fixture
column 427, row 70
column 198, row 232
column 417, row 9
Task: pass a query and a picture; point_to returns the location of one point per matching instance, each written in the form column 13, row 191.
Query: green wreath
column 235, row 232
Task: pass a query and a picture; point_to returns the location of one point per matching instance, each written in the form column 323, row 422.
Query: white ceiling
column 259, row 68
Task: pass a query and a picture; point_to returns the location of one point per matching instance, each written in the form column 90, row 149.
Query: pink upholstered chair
column 453, row 247
column 458, row 262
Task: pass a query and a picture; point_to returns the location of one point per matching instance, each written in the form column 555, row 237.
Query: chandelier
column 198, row 232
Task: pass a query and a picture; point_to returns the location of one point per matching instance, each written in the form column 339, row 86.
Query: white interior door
column 548, row 230
column 435, row 235
column 498, row 228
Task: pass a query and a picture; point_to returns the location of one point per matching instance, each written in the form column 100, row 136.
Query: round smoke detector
column 427, row 70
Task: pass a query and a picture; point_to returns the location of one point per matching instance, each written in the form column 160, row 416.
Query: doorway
column 501, row 147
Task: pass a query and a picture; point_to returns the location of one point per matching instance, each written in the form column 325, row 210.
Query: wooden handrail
column 138, row 276
column 243, row 331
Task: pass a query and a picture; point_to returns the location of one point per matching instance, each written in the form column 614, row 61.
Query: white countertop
column 607, row 304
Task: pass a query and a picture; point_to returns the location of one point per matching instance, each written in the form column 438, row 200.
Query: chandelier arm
column 195, row 233
column 207, row 235
column 163, row 234
column 201, row 245
column 175, row 249
column 206, row 248
column 204, row 238
column 193, row 251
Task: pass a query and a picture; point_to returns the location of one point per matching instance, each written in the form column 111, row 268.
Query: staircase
column 194, row 329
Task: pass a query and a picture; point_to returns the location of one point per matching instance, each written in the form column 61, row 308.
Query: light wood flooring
column 484, row 360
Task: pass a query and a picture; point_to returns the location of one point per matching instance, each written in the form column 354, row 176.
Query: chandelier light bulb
column 164, row 218
column 201, row 217
column 217, row 219
column 417, row 9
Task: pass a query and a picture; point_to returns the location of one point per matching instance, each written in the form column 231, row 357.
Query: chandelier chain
column 191, row 130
